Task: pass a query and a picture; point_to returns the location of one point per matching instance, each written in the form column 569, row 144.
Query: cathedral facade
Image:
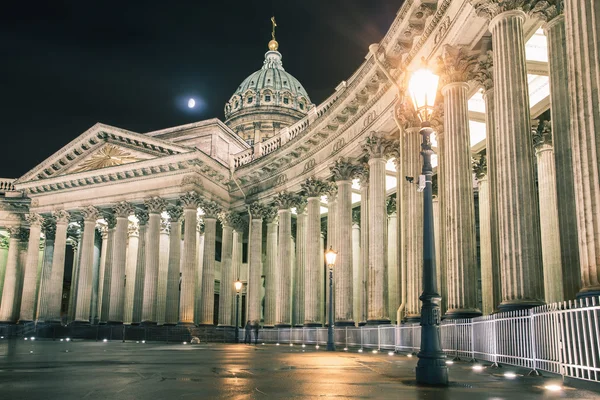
column 155, row 227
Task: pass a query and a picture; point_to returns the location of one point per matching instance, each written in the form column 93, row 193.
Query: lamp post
column 238, row 288
column 431, row 367
column 330, row 256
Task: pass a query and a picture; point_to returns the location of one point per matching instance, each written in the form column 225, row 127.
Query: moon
column 191, row 103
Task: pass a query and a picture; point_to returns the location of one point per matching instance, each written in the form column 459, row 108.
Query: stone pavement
column 114, row 370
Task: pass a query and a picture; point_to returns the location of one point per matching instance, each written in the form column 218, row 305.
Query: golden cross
column 274, row 25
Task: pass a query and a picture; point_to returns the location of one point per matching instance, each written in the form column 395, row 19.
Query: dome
column 269, row 95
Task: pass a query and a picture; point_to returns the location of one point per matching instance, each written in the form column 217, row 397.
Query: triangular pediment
column 99, row 148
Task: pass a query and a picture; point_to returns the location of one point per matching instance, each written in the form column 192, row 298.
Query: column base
column 432, row 371
column 170, row 324
column 592, row 291
column 8, row 322
column 378, row 322
column 519, row 305
column 24, row 321
column 462, row 313
column 135, row 323
column 206, row 325
column 268, row 327
column 80, row 323
column 313, row 325
column 345, row 323
column 362, row 323
column 186, row 324
column 148, row 323
column 412, row 319
column 278, row 326
column 114, row 323
column 224, row 327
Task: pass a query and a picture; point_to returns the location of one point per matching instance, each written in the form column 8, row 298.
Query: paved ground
column 113, row 370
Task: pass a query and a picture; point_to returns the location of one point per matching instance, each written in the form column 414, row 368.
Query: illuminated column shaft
column 393, row 280
column 86, row 267
column 518, row 216
column 132, row 250
column 117, row 291
column 30, row 273
column 163, row 273
column 312, row 313
column 283, row 274
column 199, row 268
column 357, row 276
column 459, row 222
column 227, row 278
column 58, row 267
column 254, row 267
column 155, row 206
column 172, row 303
column 236, row 257
column 140, row 267
column 377, row 310
column 331, row 243
column 485, row 247
column 9, row 292
column 300, row 278
column 550, row 231
column 96, row 278
column 188, row 270
column 582, row 19
column 104, row 291
column 563, row 155
column 343, row 273
column 76, row 247
column 206, row 316
column 364, row 246
column 98, row 309
column 271, row 297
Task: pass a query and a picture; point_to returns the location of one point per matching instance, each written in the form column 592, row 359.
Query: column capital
column 103, row 231
column 20, row 233
column 228, row 218
column 376, row 146
column 123, row 209
column 61, row 216
column 175, row 213
column 91, row 213
column 142, row 216
column 542, row 134
column 313, row 187
column 390, row 205
column 301, row 204
column 155, row 205
column 133, row 229
column 545, row 10
column 407, row 116
column 492, row 8
column 256, row 210
column 165, row 225
column 363, row 176
column 200, row 226
column 484, row 71
column 49, row 228
column 111, row 219
column 34, row 219
column 344, row 169
column 210, row 208
column 479, row 165
column 285, row 200
column 14, row 231
column 455, row 65
column 270, row 215
column 190, row 200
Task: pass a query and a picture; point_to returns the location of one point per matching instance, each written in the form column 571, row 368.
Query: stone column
column 117, row 293
column 413, row 211
column 172, row 303
column 343, row 172
column 436, row 232
column 49, row 229
column 550, row 231
column 199, row 264
column 357, row 276
column 255, row 262
column 283, row 276
column 140, row 266
column 9, row 292
column 300, row 275
column 378, row 149
column 86, row 265
column 163, row 272
column 456, row 67
column 190, row 203
column 74, row 232
column 270, row 267
column 518, row 215
column 3, row 258
column 206, row 316
column 30, row 274
column 103, row 254
column 484, row 76
column 392, row 254
column 133, row 244
column 582, row 21
column 227, row 291
column 364, row 244
column 485, row 236
column 58, row 266
column 313, row 189
column 106, row 281
column 155, row 207
column 99, row 240
column 236, row 263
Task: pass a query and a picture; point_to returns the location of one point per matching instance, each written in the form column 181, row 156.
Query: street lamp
column 431, row 368
column 330, row 256
column 238, row 288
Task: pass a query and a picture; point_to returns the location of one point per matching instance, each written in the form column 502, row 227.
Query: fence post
column 495, row 342
column 361, row 337
column 346, row 346
column 123, row 333
column 534, row 371
column 472, row 326
column 455, row 341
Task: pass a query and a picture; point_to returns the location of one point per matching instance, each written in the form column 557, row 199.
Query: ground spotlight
column 105, row 340
column 62, row 340
column 345, row 349
column 390, row 353
column 276, row 344
column 317, row 346
column 263, row 344
column 184, row 342
column 68, row 339
column 143, row 341
column 32, row 338
column 30, row 351
column 510, row 375
column 291, row 344
column 26, row 338
column 449, row 362
column 360, row 350
column 553, row 388
column 302, row 345
column 374, row 351
column 409, row 355
column 477, row 368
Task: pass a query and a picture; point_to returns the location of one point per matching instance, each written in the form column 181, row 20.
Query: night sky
column 66, row 65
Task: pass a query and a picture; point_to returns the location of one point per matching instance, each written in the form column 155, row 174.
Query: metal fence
column 562, row 338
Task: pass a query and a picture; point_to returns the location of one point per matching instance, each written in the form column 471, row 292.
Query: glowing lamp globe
column 191, row 103
column 330, row 257
column 422, row 88
column 238, row 286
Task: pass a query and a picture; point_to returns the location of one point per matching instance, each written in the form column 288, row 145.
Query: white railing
column 562, row 338
column 6, row 185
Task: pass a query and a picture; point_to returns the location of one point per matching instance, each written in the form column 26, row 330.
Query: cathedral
column 121, row 227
